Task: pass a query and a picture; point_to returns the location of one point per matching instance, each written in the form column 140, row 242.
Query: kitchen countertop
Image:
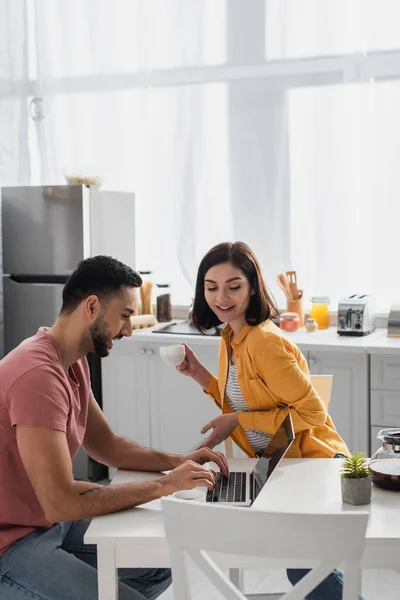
column 152, row 334
column 328, row 339
column 385, row 345
column 325, row 340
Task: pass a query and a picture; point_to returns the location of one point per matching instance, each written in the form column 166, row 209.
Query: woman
column 262, row 375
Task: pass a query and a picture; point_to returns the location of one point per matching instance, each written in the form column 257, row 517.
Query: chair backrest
column 322, row 385
column 322, row 540
column 228, row 447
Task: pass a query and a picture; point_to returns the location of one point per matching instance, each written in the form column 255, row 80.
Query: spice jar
column 289, row 321
column 311, row 325
column 146, row 293
column 320, row 311
column 164, row 307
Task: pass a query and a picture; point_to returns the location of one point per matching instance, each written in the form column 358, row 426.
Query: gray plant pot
column 356, row 491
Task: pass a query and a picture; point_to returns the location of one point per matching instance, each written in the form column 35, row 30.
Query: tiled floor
column 377, row 585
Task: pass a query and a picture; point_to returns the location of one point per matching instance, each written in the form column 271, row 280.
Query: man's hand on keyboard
column 205, row 455
column 187, row 476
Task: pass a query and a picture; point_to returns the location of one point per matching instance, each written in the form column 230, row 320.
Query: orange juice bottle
column 320, row 311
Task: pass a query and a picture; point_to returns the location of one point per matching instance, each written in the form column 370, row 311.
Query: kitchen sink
column 185, row 328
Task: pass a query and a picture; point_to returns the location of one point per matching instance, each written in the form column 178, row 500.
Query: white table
column 136, row 538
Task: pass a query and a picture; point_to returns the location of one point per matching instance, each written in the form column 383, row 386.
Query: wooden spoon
column 292, row 280
column 283, row 283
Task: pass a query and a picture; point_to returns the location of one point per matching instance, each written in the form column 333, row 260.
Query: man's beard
column 100, row 337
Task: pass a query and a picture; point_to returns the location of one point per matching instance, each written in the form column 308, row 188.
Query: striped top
column 258, row 440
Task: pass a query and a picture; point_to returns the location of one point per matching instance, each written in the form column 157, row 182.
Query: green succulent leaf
column 355, row 466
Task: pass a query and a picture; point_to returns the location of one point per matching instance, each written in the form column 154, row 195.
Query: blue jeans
column 55, row 564
column 329, row 589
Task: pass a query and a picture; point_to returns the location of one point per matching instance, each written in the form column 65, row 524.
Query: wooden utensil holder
column 296, row 306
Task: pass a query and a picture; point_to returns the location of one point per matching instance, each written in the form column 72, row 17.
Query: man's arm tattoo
column 91, row 490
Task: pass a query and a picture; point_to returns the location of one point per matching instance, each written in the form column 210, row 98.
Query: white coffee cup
column 172, row 355
column 194, row 495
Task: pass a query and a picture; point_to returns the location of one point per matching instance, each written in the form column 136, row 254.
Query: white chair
column 322, row 541
column 323, row 386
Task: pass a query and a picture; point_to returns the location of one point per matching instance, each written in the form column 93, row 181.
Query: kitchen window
column 233, row 120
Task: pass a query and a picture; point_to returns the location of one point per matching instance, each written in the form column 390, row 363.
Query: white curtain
column 345, row 187
column 313, row 28
column 158, row 98
column 14, row 154
column 207, row 161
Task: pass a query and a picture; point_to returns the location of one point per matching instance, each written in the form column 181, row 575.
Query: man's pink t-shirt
column 35, row 390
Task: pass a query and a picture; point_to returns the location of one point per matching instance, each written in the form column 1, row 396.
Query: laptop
column 242, row 488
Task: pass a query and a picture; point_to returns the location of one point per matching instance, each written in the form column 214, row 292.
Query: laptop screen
column 272, row 455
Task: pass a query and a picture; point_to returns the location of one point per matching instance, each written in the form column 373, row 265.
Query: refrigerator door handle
column 21, row 278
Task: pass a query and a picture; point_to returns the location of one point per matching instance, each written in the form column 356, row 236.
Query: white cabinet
column 385, row 408
column 385, row 394
column 152, row 404
column 178, row 406
column 385, row 372
column 349, row 401
column 375, row 443
column 125, row 390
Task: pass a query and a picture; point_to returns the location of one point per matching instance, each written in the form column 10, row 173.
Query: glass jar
column 146, row 293
column 289, row 321
column 311, row 325
column 320, row 311
column 163, row 302
column 385, row 463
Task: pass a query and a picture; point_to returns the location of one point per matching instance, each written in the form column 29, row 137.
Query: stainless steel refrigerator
column 46, row 231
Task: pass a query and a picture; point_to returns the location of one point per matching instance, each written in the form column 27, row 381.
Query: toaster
column 356, row 315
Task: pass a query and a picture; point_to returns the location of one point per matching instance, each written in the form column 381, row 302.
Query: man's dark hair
column 102, row 276
column 262, row 304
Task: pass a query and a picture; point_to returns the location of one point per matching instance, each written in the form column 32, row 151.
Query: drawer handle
column 150, row 352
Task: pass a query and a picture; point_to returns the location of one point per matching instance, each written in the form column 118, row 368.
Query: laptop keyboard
column 229, row 489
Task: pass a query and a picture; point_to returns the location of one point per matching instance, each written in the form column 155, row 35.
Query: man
column 47, row 411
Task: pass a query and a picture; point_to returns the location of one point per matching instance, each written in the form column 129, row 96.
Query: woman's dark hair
column 102, row 276
column 262, row 304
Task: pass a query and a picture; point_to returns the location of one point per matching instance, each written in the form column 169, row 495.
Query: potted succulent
column 356, row 480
